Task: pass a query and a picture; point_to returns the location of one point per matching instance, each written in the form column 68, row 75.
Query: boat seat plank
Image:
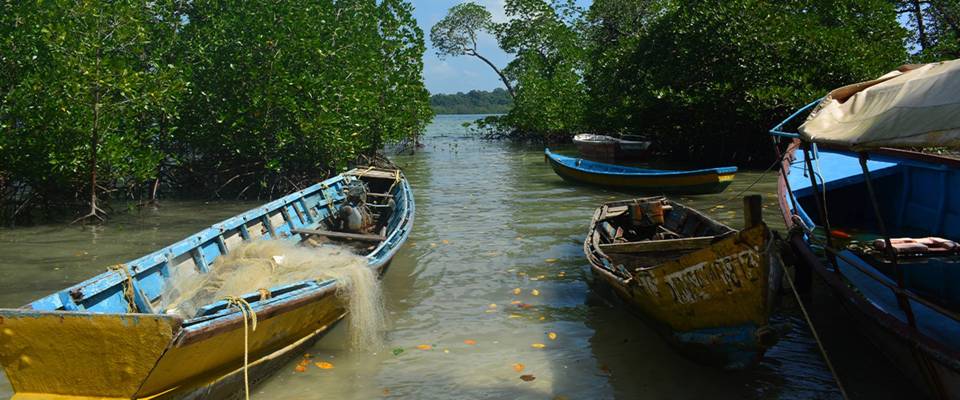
column 342, row 235
column 658, row 245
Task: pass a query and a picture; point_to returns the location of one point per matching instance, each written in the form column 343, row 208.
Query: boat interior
column 917, row 199
column 362, row 209
column 642, row 233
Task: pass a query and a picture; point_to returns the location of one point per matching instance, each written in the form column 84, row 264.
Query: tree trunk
column 506, row 82
column 921, row 28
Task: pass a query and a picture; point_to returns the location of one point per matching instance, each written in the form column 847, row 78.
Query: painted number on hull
column 691, row 284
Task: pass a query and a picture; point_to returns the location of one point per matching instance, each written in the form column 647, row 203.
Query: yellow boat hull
column 147, row 356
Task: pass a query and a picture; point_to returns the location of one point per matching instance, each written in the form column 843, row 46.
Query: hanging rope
column 128, row 288
column 396, row 180
column 247, row 311
column 816, row 337
column 760, row 178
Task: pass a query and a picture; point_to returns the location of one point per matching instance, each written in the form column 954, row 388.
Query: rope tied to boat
column 128, row 288
column 370, row 168
column 777, row 162
column 813, row 331
column 246, row 310
column 396, row 180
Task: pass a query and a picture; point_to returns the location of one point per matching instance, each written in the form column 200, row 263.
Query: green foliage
column 304, row 100
column 497, row 101
column 708, row 78
column 456, row 34
column 934, row 28
column 96, row 97
column 550, row 95
column 84, row 88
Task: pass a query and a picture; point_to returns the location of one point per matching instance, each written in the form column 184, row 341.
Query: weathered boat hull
column 929, row 363
column 77, row 344
column 712, row 304
column 640, row 180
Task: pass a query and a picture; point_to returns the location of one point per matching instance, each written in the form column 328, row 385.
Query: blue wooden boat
column 641, row 180
column 109, row 337
column 847, row 197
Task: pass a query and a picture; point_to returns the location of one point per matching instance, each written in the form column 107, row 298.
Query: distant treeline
column 211, row 98
column 705, row 79
column 497, row 101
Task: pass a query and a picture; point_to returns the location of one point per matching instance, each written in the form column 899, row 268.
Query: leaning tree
column 456, row 35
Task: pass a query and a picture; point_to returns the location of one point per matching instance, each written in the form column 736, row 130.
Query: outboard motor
column 355, row 216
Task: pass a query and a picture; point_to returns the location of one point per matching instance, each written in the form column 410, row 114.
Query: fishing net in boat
column 265, row 264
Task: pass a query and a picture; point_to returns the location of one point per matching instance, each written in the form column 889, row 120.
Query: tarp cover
column 915, row 106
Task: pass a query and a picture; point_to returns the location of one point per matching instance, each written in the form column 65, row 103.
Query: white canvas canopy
column 914, row 106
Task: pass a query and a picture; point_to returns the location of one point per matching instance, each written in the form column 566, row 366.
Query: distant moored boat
column 641, row 180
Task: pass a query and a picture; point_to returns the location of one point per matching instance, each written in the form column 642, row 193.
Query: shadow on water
column 494, row 264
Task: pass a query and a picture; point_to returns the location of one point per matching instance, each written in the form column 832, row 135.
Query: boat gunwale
column 107, row 279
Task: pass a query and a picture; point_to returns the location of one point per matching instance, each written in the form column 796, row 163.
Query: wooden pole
column 903, row 301
column 752, row 211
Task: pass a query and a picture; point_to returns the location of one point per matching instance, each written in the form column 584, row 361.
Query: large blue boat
column 878, row 221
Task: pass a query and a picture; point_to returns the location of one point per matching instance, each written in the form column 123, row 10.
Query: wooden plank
column 658, row 245
column 752, row 211
column 342, row 235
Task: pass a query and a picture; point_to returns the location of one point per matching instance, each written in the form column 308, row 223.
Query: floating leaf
column 493, row 305
column 524, row 305
column 518, row 367
column 527, row 378
column 424, row 347
column 470, row 342
column 514, row 316
column 445, row 241
column 538, row 345
column 397, row 351
column 535, row 292
column 446, row 351
column 433, row 245
column 489, row 311
column 517, row 291
column 542, row 318
column 552, row 335
column 516, row 302
column 562, row 274
column 300, row 368
column 386, row 392
column 551, row 260
column 324, row 365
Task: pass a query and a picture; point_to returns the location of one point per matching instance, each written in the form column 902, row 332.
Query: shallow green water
column 489, row 215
